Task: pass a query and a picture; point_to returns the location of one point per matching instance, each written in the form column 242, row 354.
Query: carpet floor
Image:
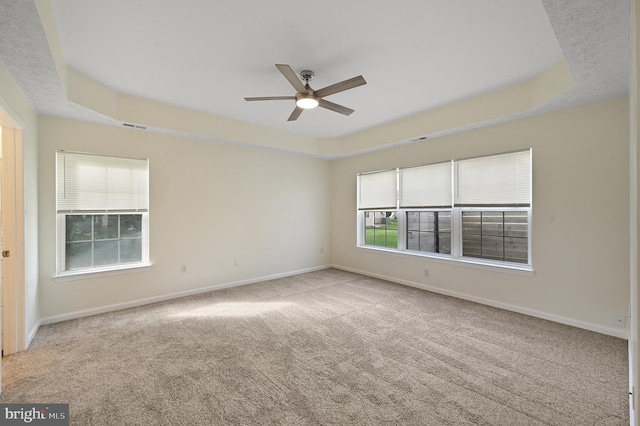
column 324, row 348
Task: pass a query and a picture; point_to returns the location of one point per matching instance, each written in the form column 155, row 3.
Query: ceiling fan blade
column 290, row 75
column 295, row 114
column 334, row 107
column 271, row 98
column 342, row 86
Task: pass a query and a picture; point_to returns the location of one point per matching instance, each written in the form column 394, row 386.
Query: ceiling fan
column 306, row 97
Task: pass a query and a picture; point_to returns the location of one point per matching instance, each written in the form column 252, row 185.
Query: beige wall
column 210, row 203
column 580, row 216
column 12, row 98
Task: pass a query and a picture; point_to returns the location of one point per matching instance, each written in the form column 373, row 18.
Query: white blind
column 378, row 190
column 92, row 183
column 497, row 180
column 426, row 186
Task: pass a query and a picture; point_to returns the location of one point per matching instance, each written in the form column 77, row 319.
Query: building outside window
column 429, row 231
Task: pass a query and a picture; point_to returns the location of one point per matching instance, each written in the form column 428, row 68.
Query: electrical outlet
column 426, row 273
column 235, row 262
column 183, row 269
column 619, row 320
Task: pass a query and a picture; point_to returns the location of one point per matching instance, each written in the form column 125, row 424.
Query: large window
column 102, row 212
column 476, row 210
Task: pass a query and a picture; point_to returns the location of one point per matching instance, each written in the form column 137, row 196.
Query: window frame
column 62, row 274
column 61, row 248
column 456, row 255
column 364, row 228
column 458, row 234
column 456, row 247
column 405, row 213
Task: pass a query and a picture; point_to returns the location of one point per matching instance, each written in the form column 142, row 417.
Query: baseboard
column 32, row 334
column 622, row 334
column 164, row 297
column 161, row 298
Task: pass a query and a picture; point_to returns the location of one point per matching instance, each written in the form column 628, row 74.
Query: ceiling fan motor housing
column 307, row 75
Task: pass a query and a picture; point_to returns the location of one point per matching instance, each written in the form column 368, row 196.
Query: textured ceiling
column 415, row 55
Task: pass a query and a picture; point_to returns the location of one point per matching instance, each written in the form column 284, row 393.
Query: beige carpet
column 324, row 348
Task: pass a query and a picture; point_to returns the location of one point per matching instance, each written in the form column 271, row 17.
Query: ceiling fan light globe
column 307, row 102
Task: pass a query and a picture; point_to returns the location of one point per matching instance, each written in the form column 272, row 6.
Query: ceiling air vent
column 134, row 126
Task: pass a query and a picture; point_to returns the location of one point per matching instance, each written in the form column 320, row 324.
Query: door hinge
column 6, row 253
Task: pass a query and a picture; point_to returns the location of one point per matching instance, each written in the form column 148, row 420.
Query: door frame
column 13, row 222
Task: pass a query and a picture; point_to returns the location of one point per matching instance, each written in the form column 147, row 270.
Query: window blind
column 378, row 190
column 93, row 184
column 494, row 181
column 426, row 186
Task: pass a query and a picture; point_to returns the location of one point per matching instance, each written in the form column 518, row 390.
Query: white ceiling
column 416, row 55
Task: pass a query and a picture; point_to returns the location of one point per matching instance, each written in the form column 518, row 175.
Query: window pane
column 413, row 240
column 492, row 223
column 78, row 255
column 115, row 239
column 78, row 227
column 381, row 229
column 497, row 235
column 515, row 224
column 471, row 223
column 516, row 250
column 429, row 231
column 444, row 221
column 105, row 253
column 444, row 241
column 492, row 247
column 105, row 226
column 131, row 250
column 471, row 245
column 427, row 221
column 413, row 221
column 427, row 242
column 369, row 226
column 130, row 225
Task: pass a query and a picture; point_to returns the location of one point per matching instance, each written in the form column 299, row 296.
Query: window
column 495, row 234
column 476, row 210
column 99, row 240
column 381, row 228
column 102, row 212
column 429, row 231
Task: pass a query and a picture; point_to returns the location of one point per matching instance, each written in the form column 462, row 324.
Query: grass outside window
column 381, row 229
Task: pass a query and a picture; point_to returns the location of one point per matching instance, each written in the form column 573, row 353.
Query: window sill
column 100, row 272
column 525, row 270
